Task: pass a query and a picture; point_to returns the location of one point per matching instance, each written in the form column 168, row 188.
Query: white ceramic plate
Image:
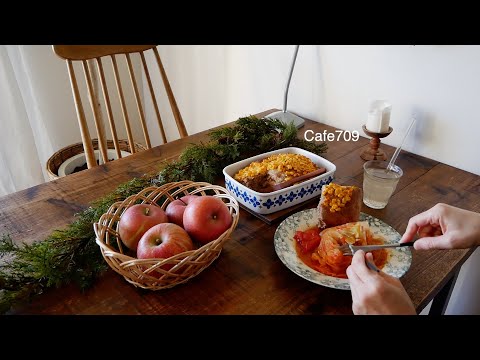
column 398, row 263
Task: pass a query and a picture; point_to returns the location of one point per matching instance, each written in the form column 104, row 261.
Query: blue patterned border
column 268, row 202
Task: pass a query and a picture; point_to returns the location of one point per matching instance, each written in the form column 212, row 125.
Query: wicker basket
column 69, row 151
column 148, row 273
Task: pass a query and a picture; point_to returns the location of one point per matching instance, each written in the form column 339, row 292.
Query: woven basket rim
column 63, row 154
column 185, row 265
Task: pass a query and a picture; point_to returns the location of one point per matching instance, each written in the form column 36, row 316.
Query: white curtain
column 37, row 114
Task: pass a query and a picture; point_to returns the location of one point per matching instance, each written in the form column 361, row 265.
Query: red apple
column 206, row 218
column 176, row 208
column 136, row 220
column 164, row 241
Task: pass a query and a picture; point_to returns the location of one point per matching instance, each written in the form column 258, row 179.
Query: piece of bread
column 339, row 205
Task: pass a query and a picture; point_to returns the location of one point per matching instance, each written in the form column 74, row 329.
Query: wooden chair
column 89, row 55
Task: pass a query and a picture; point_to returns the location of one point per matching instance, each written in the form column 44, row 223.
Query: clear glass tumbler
column 378, row 183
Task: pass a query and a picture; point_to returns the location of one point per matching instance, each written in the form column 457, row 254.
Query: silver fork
column 348, row 249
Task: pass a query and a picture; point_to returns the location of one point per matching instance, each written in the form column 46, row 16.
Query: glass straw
column 397, row 150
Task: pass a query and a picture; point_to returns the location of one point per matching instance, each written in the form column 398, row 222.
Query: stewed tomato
column 308, row 240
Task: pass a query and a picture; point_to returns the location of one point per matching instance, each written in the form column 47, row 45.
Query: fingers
column 359, row 266
column 355, row 283
column 436, row 242
column 415, row 223
column 429, row 230
column 370, row 263
column 352, row 275
column 361, row 279
column 369, row 257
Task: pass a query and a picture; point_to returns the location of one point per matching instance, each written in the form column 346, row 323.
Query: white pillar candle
column 378, row 120
column 374, row 121
column 386, row 118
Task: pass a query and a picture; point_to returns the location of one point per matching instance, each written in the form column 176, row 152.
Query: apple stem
column 147, row 210
column 183, row 202
column 158, row 241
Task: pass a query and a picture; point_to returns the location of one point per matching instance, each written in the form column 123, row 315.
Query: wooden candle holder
column 373, row 151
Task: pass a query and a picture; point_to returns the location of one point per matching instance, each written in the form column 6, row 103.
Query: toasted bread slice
column 339, row 205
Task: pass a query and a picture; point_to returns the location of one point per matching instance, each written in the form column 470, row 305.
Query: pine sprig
column 71, row 254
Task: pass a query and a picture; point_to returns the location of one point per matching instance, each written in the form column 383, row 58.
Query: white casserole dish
column 267, row 203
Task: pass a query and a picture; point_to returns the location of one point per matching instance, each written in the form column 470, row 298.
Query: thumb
column 435, row 242
column 369, row 257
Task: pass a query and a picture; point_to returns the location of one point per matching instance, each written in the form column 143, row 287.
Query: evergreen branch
column 71, row 254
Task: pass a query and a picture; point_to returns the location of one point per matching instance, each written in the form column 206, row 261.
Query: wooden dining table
column 248, row 276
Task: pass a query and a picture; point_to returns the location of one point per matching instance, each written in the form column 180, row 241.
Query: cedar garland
column 71, row 254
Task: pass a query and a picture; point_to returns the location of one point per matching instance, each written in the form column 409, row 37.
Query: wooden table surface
column 248, row 277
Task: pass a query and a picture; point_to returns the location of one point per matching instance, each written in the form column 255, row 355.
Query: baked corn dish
column 273, row 170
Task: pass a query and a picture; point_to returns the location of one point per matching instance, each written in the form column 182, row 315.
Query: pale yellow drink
column 378, row 183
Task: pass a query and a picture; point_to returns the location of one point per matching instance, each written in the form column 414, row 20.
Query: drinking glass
column 378, row 183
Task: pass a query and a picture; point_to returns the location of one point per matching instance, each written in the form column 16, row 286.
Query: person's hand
column 444, row 227
column 376, row 293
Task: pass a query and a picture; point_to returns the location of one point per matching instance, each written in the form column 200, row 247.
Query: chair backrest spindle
column 152, row 94
column 88, row 55
column 106, row 98
column 171, row 98
column 82, row 122
column 138, row 101
column 92, row 96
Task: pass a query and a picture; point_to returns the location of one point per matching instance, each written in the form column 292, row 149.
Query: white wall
column 335, row 84
column 197, row 75
column 218, row 84
column 442, row 81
